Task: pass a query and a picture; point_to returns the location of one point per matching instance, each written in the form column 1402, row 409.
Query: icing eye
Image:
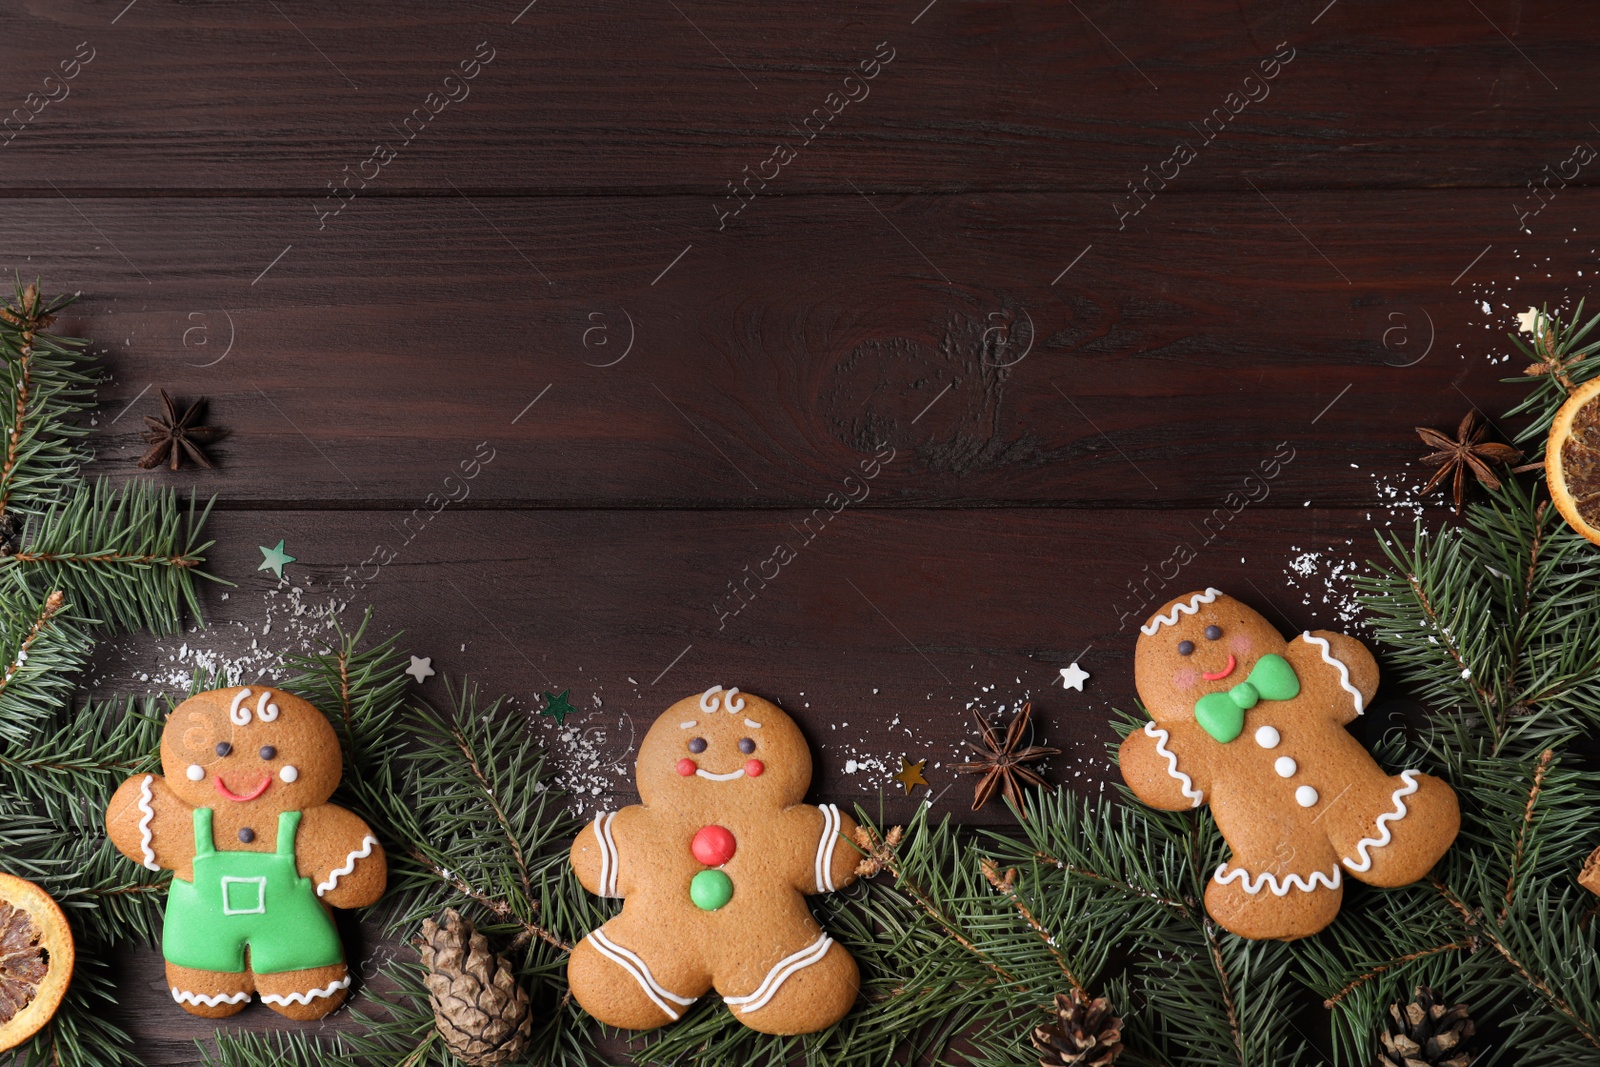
column 746, row 745
column 268, row 752
column 289, row 773
column 1213, row 632
column 698, row 745
column 223, row 748
column 195, row 772
column 1185, row 647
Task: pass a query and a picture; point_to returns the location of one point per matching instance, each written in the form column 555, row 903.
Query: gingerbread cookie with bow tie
column 1254, row 726
column 714, row 867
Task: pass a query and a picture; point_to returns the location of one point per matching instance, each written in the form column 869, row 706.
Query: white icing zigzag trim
column 1344, row 672
column 349, row 865
column 1196, row 796
column 732, row 703
column 1384, row 834
column 183, row 996
column 825, row 847
column 306, row 998
column 640, row 973
column 145, row 836
column 1293, row 881
column 1149, row 629
column 780, row 974
column 608, row 853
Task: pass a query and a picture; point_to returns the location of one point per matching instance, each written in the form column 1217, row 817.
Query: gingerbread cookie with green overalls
column 259, row 857
column 1254, row 726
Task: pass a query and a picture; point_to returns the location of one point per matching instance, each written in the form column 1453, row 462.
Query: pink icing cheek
column 1241, row 646
column 1184, row 678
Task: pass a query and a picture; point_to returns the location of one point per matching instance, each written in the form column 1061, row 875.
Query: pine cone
column 1424, row 1033
column 1086, row 1034
column 1589, row 877
column 481, row 1010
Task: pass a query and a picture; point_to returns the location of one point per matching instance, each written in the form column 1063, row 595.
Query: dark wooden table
column 541, row 328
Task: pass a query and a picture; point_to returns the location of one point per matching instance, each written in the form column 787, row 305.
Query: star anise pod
column 1468, row 452
column 175, row 436
column 1002, row 763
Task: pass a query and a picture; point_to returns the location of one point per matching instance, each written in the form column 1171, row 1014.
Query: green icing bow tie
column 1222, row 714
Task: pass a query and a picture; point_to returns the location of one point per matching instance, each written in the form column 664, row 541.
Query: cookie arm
column 150, row 825
column 1339, row 663
column 817, row 850
column 595, row 857
column 1162, row 764
column 342, row 857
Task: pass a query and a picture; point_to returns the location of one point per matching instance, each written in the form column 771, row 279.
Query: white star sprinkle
column 1528, row 321
column 1073, row 677
column 421, row 667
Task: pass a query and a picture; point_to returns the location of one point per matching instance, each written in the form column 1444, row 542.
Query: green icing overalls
column 247, row 898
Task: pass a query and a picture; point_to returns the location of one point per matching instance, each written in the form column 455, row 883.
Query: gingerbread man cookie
column 1255, row 726
column 241, row 817
column 714, row 867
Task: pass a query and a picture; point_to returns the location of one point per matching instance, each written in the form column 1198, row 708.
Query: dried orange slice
column 1572, row 460
column 36, row 957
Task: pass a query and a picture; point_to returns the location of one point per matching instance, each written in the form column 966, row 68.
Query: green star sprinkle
column 274, row 559
column 557, row 707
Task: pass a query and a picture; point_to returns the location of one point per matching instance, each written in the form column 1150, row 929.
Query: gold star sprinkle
column 911, row 774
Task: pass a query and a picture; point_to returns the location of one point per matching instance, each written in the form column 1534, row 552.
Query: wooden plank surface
column 549, row 394
column 1214, row 327
column 592, row 97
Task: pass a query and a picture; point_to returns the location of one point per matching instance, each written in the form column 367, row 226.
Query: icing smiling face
column 721, row 745
column 251, row 745
column 1207, row 643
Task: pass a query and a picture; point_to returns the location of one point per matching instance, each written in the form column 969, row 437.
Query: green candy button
column 710, row 890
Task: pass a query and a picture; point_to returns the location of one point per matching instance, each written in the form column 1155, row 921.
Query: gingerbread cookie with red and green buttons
column 1254, row 726
column 713, row 868
column 259, row 857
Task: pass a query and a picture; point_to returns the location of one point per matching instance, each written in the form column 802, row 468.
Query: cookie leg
column 615, row 984
column 808, row 990
column 1265, row 905
column 305, row 995
column 209, row 994
column 1397, row 841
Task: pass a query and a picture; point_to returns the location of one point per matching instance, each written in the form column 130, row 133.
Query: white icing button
column 1305, row 796
column 1267, row 737
column 195, row 772
column 1285, row 767
column 289, row 773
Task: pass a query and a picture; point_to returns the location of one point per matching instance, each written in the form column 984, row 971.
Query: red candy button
column 687, row 767
column 713, row 846
column 753, row 768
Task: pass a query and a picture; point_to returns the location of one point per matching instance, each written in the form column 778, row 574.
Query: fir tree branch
column 499, row 907
column 1410, row 957
column 487, row 789
column 129, row 557
column 50, row 387
column 1425, row 602
column 1537, row 984
column 1226, row 985
column 1006, row 887
column 887, row 858
column 1539, row 772
column 1116, row 883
